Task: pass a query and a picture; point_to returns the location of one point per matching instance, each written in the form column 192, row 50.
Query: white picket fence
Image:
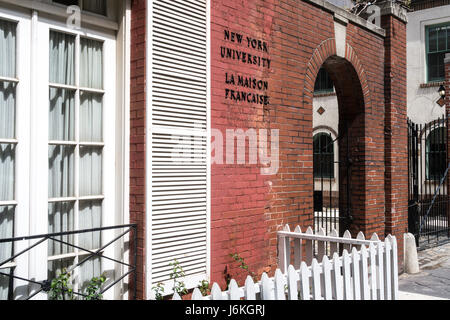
column 366, row 270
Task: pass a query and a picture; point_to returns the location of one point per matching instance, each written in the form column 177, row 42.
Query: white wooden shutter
column 179, row 138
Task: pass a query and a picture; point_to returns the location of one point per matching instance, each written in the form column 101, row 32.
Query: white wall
column 422, row 107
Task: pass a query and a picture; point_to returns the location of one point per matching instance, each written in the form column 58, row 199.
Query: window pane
column 95, row 6
column 61, row 116
column 6, row 231
column 90, row 216
column 60, row 219
column 91, row 128
column 436, row 70
column 432, row 40
column 62, row 58
column 7, row 49
column 7, row 110
column 5, row 284
column 90, row 171
column 7, row 167
column 323, row 156
column 61, row 171
column 442, row 39
column 91, row 64
column 88, row 270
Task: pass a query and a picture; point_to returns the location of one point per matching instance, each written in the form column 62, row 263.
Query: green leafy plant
column 204, row 287
column 177, row 272
column 236, row 257
column 61, row 288
column 159, row 291
column 94, row 288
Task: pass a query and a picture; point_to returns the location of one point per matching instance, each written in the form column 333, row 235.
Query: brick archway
column 353, row 94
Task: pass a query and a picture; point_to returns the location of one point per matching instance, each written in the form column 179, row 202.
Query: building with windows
column 189, row 123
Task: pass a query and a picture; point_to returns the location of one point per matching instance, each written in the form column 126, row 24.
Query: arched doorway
column 338, row 159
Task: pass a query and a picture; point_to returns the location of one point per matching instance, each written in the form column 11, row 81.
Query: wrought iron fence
column 44, row 286
column 428, row 206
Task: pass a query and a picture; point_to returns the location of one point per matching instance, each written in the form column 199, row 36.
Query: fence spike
column 309, row 246
column 266, row 289
column 334, row 246
column 321, row 244
column 297, row 249
column 176, row 296
column 365, row 293
column 233, row 291
column 374, row 237
column 394, row 267
column 304, row 282
column 387, row 268
column 356, row 275
column 249, row 290
column 197, row 295
column 347, row 235
column 360, row 236
column 315, row 275
column 286, row 228
column 373, row 271
column 216, row 292
column 279, row 285
column 326, row 271
column 337, row 277
column 347, row 276
column 380, row 272
column 292, row 283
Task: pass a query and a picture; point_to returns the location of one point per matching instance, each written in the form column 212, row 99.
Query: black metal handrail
column 45, row 284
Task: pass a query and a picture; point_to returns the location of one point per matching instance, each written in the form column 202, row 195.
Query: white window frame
column 31, row 167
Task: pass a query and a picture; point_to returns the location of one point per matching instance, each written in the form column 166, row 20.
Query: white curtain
column 7, row 49
column 91, row 62
column 61, row 171
column 91, row 117
column 95, row 6
column 62, row 115
column 62, row 58
column 90, row 171
column 60, row 219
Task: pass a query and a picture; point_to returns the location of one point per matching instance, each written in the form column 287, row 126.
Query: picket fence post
column 356, row 274
column 326, row 276
column 249, row 289
column 297, row 249
column 338, row 281
column 309, row 247
column 364, row 274
column 304, row 282
column 292, row 279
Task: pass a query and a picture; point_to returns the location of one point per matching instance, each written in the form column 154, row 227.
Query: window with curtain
column 437, row 45
column 94, row 6
column 323, row 156
column 8, row 142
column 323, row 82
column 435, row 154
column 75, row 150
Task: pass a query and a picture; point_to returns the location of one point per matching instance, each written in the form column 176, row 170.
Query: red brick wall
column 396, row 136
column 137, row 138
column 247, row 208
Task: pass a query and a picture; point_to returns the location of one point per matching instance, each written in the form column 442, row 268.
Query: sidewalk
column 433, row 280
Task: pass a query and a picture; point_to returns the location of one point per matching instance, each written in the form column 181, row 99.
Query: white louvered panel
column 179, row 138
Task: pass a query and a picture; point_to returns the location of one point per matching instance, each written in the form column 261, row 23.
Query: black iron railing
column 428, row 179
column 45, row 284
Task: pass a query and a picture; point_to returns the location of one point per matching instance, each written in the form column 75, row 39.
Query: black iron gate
column 428, row 194
column 332, row 187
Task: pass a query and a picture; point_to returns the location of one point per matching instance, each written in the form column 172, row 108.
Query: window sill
column 432, row 84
